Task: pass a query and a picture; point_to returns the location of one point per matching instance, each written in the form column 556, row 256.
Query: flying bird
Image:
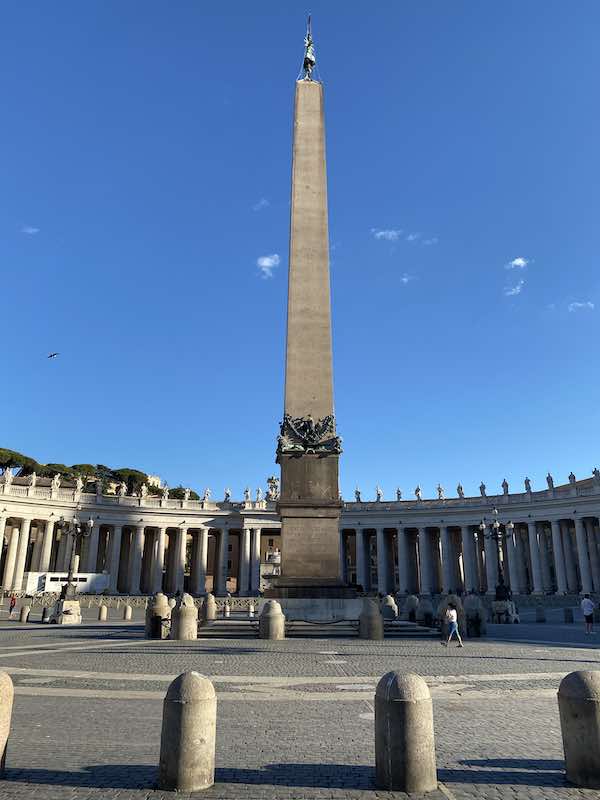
column 53, row 355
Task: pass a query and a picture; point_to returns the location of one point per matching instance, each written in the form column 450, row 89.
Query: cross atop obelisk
column 308, row 446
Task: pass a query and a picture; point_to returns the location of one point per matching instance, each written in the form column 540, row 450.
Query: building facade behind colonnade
column 541, row 542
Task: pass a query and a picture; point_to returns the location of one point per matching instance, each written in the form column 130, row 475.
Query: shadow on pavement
column 514, row 763
column 138, row 776
column 521, row 772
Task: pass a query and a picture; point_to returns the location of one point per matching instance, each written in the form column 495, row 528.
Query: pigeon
column 53, row 355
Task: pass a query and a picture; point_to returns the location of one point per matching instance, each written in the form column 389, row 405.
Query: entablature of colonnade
column 40, row 503
column 573, row 500
column 577, row 500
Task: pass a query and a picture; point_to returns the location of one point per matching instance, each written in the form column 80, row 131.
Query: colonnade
column 537, row 556
column 558, row 556
column 138, row 559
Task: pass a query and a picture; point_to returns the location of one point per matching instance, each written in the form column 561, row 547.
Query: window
column 271, row 542
column 229, row 548
column 229, row 564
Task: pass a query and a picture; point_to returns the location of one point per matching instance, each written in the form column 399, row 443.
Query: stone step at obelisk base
column 308, row 446
column 346, row 629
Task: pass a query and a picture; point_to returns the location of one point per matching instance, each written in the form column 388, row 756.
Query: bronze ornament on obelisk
column 308, row 446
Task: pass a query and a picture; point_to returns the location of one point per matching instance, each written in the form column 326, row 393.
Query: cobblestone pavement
column 295, row 718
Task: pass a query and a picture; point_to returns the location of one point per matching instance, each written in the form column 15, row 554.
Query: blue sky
column 145, row 170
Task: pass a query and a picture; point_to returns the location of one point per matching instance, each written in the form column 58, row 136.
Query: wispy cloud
column 433, row 240
column 29, row 230
column 587, row 306
column 412, row 237
column 267, row 264
column 406, row 278
column 262, row 203
column 517, row 263
column 511, row 291
column 387, row 234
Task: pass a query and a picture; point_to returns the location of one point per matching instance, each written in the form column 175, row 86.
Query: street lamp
column 496, row 535
column 78, row 532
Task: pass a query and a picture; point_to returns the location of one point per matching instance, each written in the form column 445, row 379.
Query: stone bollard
column 127, row 612
column 157, row 611
column 209, row 609
column 425, row 612
column 370, row 621
column 409, row 610
column 579, row 708
column 187, row 744
column 475, row 615
column 271, row 623
column 389, row 609
column 251, row 611
column 103, row 613
column 226, row 609
column 6, row 702
column 568, row 615
column 45, row 615
column 540, row 614
column 24, row 614
column 184, row 619
column 404, row 738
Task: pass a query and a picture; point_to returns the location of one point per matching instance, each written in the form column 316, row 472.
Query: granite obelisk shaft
column 308, row 451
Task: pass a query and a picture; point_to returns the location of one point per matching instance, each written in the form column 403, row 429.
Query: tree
column 12, row 459
column 178, row 493
column 85, row 470
column 50, row 470
column 132, row 477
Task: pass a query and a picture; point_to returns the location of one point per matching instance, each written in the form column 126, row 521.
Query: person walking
column 12, row 604
column 587, row 608
column 452, row 620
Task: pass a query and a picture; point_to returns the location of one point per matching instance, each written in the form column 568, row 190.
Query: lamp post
column 496, row 535
column 78, row 532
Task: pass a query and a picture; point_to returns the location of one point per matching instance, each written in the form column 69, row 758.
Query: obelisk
column 308, row 446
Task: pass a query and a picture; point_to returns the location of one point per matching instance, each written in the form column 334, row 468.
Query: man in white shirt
column 587, row 608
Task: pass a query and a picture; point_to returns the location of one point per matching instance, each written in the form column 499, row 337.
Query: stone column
column 135, row 560
column 545, row 561
column 522, row 559
column 222, row 557
column 255, row 566
column 424, row 561
column 198, row 576
column 582, row 555
column 11, row 558
column 593, row 551
column 244, row 562
column 37, row 549
column 362, row 576
column 21, row 554
column 469, row 560
column 115, row 554
column 382, row 562
column 343, row 570
column 403, row 563
column 447, row 560
column 511, row 554
column 491, row 561
column 559, row 558
column 47, row 546
column 572, row 582
column 159, row 561
column 180, row 549
column 91, row 561
column 534, row 552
